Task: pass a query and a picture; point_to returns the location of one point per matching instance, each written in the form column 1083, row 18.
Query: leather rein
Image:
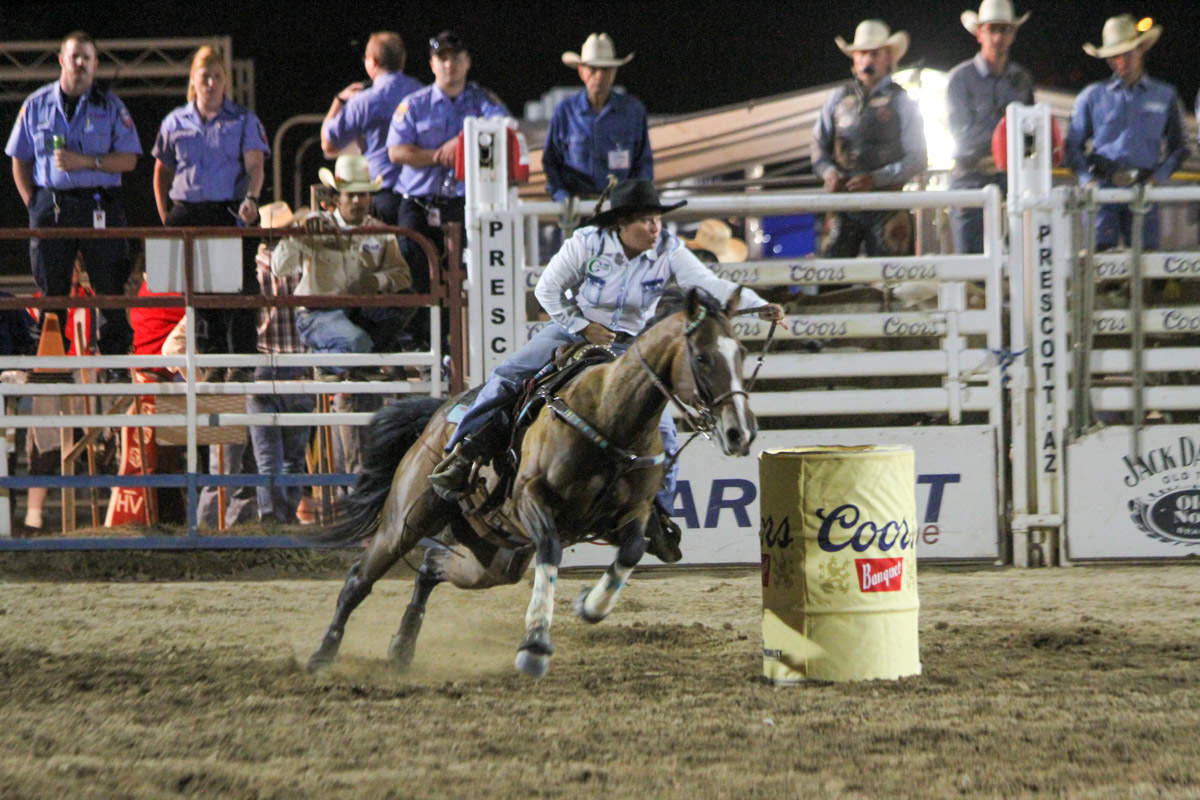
column 701, row 418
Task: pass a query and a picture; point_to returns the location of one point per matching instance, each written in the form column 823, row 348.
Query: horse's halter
column 702, row 417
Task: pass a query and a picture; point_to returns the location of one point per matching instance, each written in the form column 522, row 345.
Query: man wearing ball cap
column 1134, row 124
column 869, row 137
column 977, row 95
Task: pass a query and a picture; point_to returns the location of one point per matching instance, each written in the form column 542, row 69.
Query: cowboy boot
column 449, row 478
column 663, row 535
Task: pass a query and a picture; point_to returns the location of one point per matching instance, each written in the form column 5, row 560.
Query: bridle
column 702, row 417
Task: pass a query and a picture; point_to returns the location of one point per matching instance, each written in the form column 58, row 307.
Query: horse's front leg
column 534, row 510
column 593, row 605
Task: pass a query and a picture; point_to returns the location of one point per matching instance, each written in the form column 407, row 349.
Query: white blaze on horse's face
column 736, row 427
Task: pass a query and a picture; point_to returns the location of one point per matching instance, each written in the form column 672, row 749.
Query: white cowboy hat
column 872, row 34
column 350, row 174
column 1120, row 35
column 597, row 51
column 999, row 11
column 717, row 238
column 275, row 215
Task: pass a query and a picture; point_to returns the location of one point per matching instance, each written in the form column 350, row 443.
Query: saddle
column 569, row 361
column 489, row 518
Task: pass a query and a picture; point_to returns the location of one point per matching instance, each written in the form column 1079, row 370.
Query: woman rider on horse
column 602, row 287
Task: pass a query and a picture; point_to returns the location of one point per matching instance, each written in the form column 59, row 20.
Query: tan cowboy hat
column 717, row 238
column 1120, row 35
column 872, row 34
column 350, row 174
column 275, row 215
column 597, row 51
column 998, row 11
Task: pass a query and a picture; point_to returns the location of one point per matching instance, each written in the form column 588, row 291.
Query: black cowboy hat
column 632, row 195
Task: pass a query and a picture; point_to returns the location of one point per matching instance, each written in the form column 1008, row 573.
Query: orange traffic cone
column 51, row 342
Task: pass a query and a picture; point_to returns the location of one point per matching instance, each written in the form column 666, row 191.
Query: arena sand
column 1081, row 682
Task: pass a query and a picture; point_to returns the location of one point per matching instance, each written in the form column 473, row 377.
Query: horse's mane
column 674, row 299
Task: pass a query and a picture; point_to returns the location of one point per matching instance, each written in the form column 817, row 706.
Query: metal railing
column 445, row 293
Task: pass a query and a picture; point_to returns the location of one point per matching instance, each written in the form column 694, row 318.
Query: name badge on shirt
column 618, row 159
column 98, row 218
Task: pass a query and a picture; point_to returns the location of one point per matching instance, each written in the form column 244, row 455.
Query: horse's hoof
column 404, row 643
column 318, row 661
column 580, row 606
column 401, row 652
column 532, row 664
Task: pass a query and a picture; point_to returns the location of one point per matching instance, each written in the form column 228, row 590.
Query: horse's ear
column 694, row 305
column 731, row 305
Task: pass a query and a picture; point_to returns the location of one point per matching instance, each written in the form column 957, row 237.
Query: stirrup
column 663, row 535
column 451, row 477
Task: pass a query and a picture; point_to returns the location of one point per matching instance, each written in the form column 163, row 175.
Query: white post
column 1037, row 442
column 952, row 301
column 993, row 248
column 6, row 505
column 1064, row 252
column 491, row 252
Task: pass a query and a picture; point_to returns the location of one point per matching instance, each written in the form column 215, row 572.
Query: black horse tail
column 394, row 429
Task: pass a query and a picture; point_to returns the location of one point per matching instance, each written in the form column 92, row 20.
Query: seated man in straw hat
column 335, row 263
column 977, row 96
column 1133, row 123
column 869, row 137
column 596, row 132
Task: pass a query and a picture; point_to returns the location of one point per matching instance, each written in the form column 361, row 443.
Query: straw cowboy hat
column 998, row 11
column 350, row 174
column 1120, row 35
column 597, row 51
column 275, row 215
column 632, row 195
column 717, row 238
column 872, row 34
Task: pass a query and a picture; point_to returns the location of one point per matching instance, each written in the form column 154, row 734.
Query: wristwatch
column 253, row 197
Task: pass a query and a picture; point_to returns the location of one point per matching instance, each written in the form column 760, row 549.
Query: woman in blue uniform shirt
column 208, row 172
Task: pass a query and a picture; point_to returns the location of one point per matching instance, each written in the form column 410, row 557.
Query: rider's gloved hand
column 771, row 312
column 598, row 334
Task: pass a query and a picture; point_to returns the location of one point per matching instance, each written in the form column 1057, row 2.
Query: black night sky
column 689, row 55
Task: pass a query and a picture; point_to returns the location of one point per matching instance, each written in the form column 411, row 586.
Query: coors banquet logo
column 1170, row 511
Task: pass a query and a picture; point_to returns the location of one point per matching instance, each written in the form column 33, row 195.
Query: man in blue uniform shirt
column 422, row 140
column 977, row 97
column 1134, row 124
column 596, row 133
column 70, row 145
column 361, row 113
column 869, row 137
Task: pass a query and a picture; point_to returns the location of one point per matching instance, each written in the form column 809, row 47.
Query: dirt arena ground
column 1080, row 682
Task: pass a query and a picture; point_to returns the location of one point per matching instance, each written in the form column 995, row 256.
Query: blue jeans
column 1114, row 224
column 241, row 499
column 352, row 330
column 279, row 449
column 966, row 224
column 506, row 380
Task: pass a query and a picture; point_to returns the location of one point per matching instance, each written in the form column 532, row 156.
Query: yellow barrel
column 839, row 563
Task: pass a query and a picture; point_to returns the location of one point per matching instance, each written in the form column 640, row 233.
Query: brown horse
column 590, row 465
